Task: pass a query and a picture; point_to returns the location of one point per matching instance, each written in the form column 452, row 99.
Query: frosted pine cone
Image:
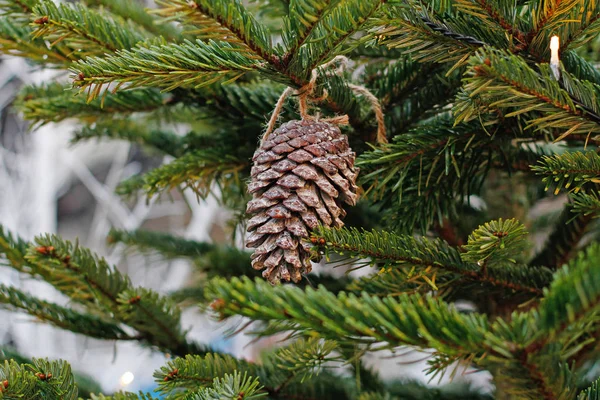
column 300, row 176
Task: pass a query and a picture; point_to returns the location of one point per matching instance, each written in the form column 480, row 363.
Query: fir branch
column 17, row 382
column 88, row 279
column 197, row 170
column 133, row 131
column 303, row 16
column 569, row 170
column 570, row 302
column 135, row 12
column 580, row 67
column 89, row 31
column 15, row 40
column 585, row 29
column 404, row 251
column 61, row 317
column 13, row 249
column 389, row 281
column 247, row 101
column 124, row 396
column 42, row 379
column 77, row 272
column 425, row 38
column 330, row 33
column 169, row 66
column 552, row 17
column 221, row 20
column 562, row 243
column 167, row 245
column 19, row 10
column 586, row 204
column 304, row 357
column 540, row 382
column 409, row 90
column 230, row 387
column 420, row 175
column 501, row 14
column 157, row 318
column 192, row 372
column 498, row 80
column 495, row 241
column 592, row 392
column 415, row 390
column 424, row 321
column 54, row 102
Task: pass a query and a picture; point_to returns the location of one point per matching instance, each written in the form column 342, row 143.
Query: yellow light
column 554, row 46
column 554, row 60
column 126, row 378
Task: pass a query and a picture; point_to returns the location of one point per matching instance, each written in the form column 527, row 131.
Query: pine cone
column 301, row 173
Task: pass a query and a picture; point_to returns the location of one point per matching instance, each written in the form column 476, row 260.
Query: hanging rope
column 306, row 94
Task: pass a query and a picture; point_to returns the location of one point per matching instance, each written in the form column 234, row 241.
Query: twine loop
column 306, row 94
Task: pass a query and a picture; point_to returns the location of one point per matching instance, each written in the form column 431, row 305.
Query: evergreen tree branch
column 569, row 170
column 592, row 392
column 18, row 9
column 425, row 38
column 89, row 31
column 197, row 170
column 562, row 243
column 495, row 242
column 169, row 66
column 89, row 280
column 135, row 12
column 570, row 303
column 494, row 15
column 561, row 18
column 42, row 379
column 330, row 32
column 406, row 252
column 85, row 384
column 419, row 176
column 124, row 396
column 15, row 40
column 303, row 17
column 14, row 248
column 414, row 390
column 54, row 102
column 16, row 381
column 62, row 317
column 580, row 67
column 77, row 272
column 303, row 358
column 409, row 90
column 229, row 387
column 167, row 245
column 497, row 80
column 586, row 204
column 133, row 131
column 222, row 20
column 192, row 372
column 424, row 322
column 157, row 318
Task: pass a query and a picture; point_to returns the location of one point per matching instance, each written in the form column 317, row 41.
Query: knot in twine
column 306, row 94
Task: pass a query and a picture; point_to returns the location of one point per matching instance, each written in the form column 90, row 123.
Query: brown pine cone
column 300, row 176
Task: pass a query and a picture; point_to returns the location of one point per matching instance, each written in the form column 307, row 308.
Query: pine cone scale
column 300, row 177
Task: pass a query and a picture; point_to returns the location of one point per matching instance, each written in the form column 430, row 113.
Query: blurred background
column 49, row 185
